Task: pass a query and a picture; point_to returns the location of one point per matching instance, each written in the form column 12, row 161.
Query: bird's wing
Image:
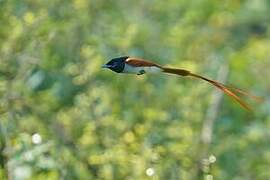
column 136, row 62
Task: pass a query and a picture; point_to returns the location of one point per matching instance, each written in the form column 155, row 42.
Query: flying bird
column 139, row 66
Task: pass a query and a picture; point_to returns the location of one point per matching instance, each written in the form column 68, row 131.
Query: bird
column 133, row 65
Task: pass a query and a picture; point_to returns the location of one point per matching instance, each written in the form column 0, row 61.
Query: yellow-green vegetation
column 63, row 117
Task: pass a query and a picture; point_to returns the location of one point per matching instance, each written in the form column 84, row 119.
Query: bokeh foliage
column 98, row 125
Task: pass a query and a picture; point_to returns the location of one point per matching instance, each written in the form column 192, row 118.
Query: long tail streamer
column 230, row 91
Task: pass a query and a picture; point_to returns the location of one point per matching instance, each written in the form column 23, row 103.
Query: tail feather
column 239, row 91
column 225, row 89
column 181, row 72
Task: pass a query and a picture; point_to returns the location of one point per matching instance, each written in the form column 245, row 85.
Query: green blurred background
column 63, row 117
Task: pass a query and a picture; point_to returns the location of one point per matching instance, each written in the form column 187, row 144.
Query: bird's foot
column 141, row 72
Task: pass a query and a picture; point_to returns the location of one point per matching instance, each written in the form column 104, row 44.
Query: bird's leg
column 141, row 72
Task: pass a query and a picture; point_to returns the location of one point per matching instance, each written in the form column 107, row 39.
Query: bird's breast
column 140, row 69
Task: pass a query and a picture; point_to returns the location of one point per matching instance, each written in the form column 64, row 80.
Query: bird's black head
column 116, row 64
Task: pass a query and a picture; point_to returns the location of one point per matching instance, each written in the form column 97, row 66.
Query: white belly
column 138, row 70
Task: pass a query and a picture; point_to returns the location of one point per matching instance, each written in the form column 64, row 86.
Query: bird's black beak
column 106, row 66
